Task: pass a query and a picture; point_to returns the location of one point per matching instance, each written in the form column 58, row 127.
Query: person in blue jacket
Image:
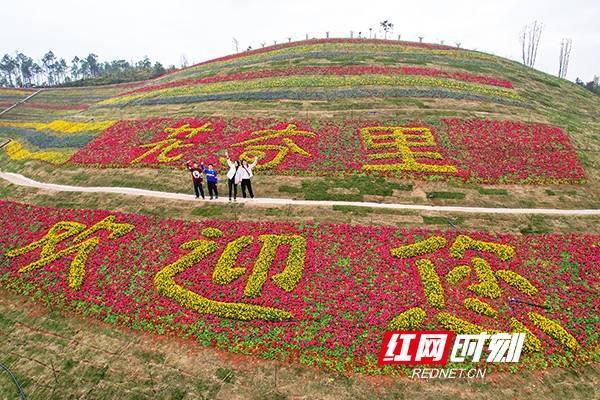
column 211, row 181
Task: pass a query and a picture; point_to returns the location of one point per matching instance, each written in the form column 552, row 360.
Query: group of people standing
column 239, row 173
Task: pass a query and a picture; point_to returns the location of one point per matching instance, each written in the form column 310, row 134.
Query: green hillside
column 545, row 134
column 347, row 84
column 129, row 296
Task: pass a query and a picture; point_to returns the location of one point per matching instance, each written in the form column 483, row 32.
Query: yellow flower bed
column 15, row 92
column 292, row 273
column 463, row 243
column 488, row 285
column 211, row 232
column 408, row 320
column 459, row 325
column 225, row 271
column 82, row 249
column 457, row 274
column 61, row 126
column 517, row 281
column 554, row 330
column 431, row 283
column 313, row 81
column 166, row 285
column 427, row 246
column 532, row 344
column 16, row 151
column 479, row 307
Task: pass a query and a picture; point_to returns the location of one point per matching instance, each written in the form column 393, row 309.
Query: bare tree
column 458, row 45
column 530, row 39
column 183, row 61
column 399, row 36
column 563, row 60
column 387, row 26
column 421, row 39
column 327, row 35
column 263, row 44
column 236, row 43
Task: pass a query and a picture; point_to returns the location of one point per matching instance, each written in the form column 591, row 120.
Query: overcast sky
column 165, row 29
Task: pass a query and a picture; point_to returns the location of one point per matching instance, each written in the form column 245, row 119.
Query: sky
column 164, row 30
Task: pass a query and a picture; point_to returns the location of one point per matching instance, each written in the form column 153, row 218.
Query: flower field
column 311, row 293
column 470, row 150
column 319, row 76
column 52, row 142
column 507, row 151
column 330, row 69
column 314, row 81
column 330, row 48
column 9, row 96
column 58, row 103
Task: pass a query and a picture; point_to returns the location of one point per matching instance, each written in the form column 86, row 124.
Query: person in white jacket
column 244, row 176
column 231, row 176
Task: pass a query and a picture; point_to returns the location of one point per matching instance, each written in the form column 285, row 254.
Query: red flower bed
column 316, row 294
column 329, row 70
column 510, row 151
column 478, row 150
column 285, row 146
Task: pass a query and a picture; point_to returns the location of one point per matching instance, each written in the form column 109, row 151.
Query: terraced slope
column 409, row 111
column 354, row 120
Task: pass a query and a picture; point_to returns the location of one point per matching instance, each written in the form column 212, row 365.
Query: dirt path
column 18, row 179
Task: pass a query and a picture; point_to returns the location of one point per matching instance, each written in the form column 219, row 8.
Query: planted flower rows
column 470, row 150
column 314, row 81
column 315, row 294
column 329, row 48
column 55, row 106
column 8, row 97
column 207, row 81
column 53, row 142
column 327, row 70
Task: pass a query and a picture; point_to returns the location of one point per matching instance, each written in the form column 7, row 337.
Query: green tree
column 75, row 68
column 8, row 66
column 158, row 69
column 92, row 64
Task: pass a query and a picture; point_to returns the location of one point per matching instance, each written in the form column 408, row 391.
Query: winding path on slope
column 20, row 180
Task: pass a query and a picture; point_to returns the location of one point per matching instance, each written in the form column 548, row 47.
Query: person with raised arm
column 244, row 176
column 196, row 177
column 231, row 173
